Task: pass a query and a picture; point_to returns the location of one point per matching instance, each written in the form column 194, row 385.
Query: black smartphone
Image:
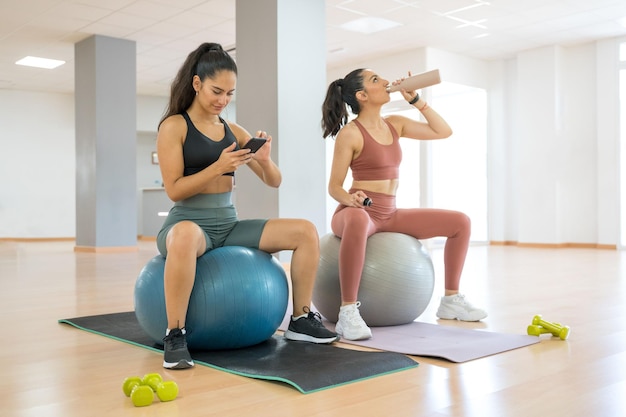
column 254, row 144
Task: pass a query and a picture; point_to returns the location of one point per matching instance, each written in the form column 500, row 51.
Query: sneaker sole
column 178, row 365
column 452, row 316
column 473, row 318
column 299, row 337
column 363, row 336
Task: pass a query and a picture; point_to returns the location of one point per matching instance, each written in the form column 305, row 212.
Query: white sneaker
column 350, row 325
column 457, row 307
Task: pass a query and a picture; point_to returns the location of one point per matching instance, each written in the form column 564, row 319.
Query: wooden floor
column 49, row 369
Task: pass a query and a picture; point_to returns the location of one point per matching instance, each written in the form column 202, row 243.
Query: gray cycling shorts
column 217, row 217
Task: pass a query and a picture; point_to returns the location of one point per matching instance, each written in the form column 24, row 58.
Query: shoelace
column 315, row 319
column 355, row 319
column 176, row 340
column 459, row 298
column 353, row 315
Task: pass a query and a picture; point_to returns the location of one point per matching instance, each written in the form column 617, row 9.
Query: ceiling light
column 478, row 3
column 369, row 25
column 477, row 23
column 33, row 61
column 337, row 50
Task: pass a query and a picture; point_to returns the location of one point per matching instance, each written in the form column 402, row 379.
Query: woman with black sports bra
column 369, row 146
column 199, row 153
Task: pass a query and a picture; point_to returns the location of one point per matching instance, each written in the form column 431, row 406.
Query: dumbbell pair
column 141, row 390
column 540, row 326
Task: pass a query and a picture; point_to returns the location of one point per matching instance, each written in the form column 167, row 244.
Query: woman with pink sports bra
column 369, row 146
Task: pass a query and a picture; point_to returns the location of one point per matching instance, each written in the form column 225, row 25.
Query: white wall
column 37, row 165
column 38, row 161
column 558, row 165
column 149, row 112
column 389, row 67
column 459, row 69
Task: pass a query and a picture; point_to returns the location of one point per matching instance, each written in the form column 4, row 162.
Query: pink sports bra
column 376, row 161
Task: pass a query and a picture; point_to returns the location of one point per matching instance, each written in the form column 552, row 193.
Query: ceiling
column 167, row 30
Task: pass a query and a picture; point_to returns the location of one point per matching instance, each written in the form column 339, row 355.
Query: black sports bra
column 200, row 151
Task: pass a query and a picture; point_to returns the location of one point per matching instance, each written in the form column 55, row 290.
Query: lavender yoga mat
column 432, row 340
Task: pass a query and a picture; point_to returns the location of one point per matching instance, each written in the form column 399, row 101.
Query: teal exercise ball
column 239, row 299
column 397, row 282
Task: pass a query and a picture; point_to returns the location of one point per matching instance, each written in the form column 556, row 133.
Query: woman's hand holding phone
column 254, row 144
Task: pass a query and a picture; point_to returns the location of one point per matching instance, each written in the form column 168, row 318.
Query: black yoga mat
column 306, row 366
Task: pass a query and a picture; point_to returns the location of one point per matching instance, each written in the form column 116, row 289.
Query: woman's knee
column 185, row 237
column 308, row 231
column 354, row 219
column 288, row 234
column 306, row 236
column 464, row 223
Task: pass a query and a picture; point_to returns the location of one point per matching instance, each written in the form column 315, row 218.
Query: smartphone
column 254, row 144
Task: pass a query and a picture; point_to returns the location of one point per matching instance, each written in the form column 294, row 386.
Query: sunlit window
column 459, row 163
column 454, row 175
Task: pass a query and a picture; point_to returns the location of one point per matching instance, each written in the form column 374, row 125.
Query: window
column 459, row 163
column 450, row 173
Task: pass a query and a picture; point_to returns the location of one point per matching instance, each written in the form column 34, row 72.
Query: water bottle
column 415, row 82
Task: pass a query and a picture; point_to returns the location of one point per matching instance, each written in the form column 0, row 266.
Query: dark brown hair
column 205, row 62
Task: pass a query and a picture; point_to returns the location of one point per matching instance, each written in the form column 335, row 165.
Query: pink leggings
column 354, row 225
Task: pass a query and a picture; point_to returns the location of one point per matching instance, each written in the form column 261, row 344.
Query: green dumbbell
column 130, row 383
column 152, row 380
column 165, row 390
column 556, row 329
column 142, row 395
column 534, row 330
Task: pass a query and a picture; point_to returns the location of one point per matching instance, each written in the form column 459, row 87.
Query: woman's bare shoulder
column 237, row 129
column 173, row 122
column 349, row 137
column 349, row 132
column 173, row 127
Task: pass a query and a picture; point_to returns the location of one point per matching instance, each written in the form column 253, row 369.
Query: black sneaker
column 310, row 329
column 175, row 353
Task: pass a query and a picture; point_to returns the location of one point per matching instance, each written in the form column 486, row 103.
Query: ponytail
column 340, row 93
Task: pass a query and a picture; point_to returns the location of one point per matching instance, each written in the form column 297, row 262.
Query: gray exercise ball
column 396, row 285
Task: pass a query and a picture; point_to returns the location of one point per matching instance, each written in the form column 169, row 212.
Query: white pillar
column 281, row 57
